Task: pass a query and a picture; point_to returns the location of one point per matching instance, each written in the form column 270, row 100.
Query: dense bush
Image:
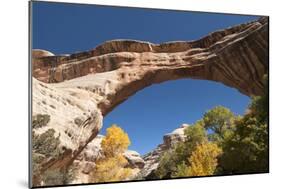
column 46, row 143
column 43, row 146
column 40, row 120
column 247, row 146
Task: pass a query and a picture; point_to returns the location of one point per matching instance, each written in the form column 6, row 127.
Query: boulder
column 134, row 159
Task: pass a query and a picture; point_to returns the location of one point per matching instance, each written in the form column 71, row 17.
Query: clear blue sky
column 158, row 109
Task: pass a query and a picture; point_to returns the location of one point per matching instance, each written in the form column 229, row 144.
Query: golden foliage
column 115, row 142
column 203, row 160
column 111, row 167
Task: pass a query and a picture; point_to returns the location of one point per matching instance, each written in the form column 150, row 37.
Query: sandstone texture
column 174, row 137
column 152, row 158
column 79, row 89
column 134, row 159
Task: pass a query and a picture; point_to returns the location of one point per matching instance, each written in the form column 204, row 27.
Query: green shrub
column 53, row 177
column 46, row 143
column 40, row 120
column 181, row 171
column 59, row 177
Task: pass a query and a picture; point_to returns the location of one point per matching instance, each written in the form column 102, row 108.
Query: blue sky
column 160, row 108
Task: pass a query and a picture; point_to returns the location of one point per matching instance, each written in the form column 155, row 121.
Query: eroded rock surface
column 134, row 159
column 65, row 107
column 152, row 158
column 77, row 90
column 174, row 137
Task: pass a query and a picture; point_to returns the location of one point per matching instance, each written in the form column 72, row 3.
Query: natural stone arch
column 96, row 81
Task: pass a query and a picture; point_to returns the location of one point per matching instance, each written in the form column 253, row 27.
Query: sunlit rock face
column 134, row 159
column 174, row 137
column 152, row 158
column 78, row 90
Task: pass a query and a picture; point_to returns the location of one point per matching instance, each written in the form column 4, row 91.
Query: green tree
column 195, row 134
column 181, row 171
column 221, row 143
column 248, row 146
column 219, row 123
column 168, row 163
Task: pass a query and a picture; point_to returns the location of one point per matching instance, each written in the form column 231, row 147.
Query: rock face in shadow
column 77, row 90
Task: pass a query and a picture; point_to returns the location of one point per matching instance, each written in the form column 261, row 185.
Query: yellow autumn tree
column 115, row 142
column 203, row 160
column 111, row 167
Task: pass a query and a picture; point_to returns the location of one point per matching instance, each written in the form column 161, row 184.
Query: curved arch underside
column 90, row 84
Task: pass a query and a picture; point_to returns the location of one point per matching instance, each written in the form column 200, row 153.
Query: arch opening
column 157, row 110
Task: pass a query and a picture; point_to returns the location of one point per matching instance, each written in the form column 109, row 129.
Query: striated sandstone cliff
column 77, row 90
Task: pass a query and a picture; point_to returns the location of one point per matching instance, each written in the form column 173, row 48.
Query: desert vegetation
column 44, row 146
column 112, row 165
column 221, row 143
column 40, row 120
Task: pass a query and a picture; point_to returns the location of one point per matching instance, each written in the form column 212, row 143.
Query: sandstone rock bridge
column 86, row 86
